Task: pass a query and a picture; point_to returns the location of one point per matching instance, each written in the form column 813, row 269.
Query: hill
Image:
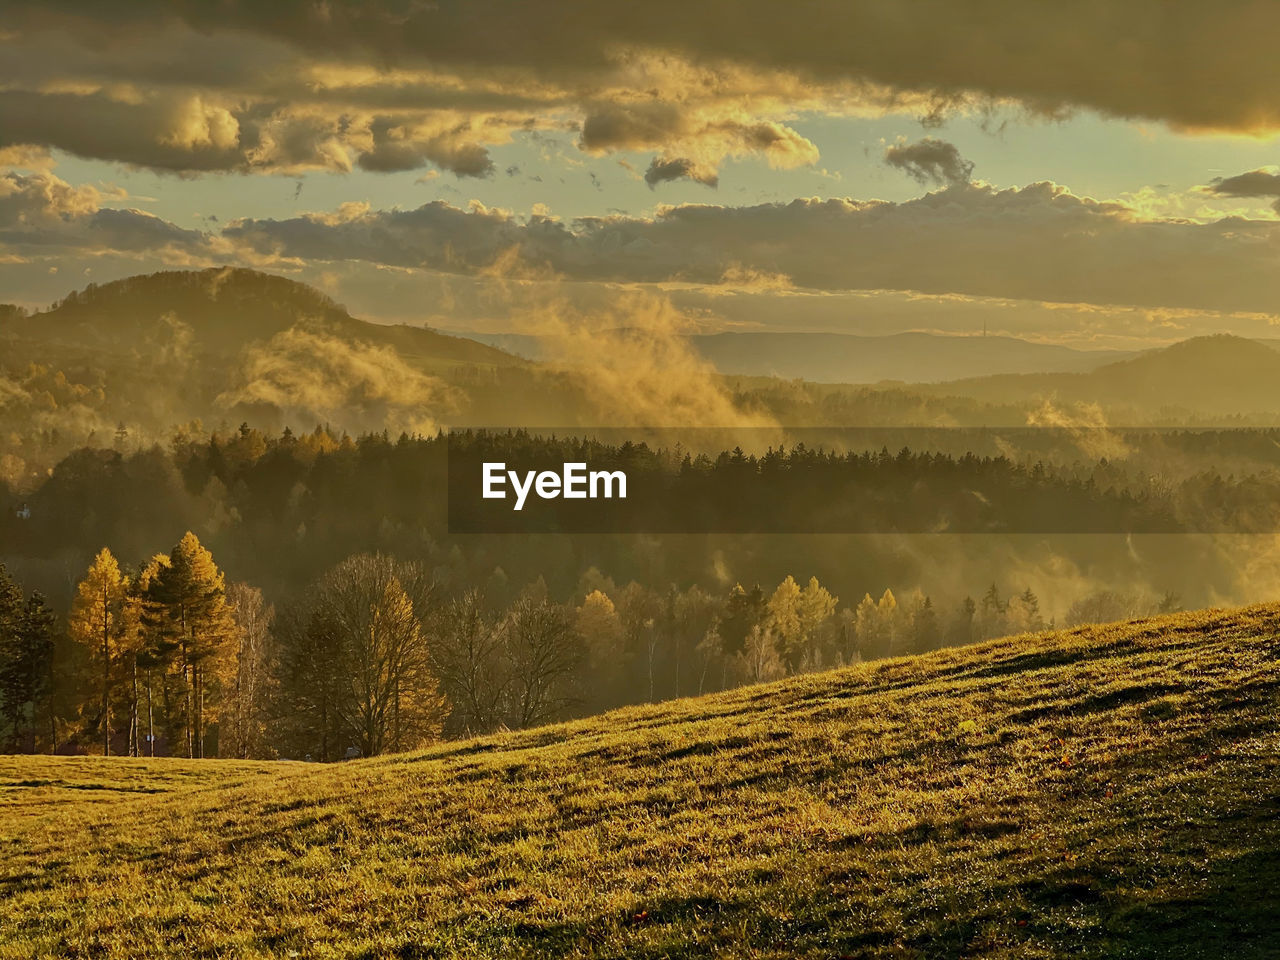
column 221, row 311
column 1220, row 376
column 221, row 346
column 1100, row 792
column 849, row 358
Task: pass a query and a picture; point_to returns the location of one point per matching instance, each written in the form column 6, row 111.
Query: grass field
column 1103, row 792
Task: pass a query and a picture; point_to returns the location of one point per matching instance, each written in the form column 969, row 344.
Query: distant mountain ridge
column 1218, row 375
column 853, row 358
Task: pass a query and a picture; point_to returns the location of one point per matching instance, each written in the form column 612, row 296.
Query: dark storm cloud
column 292, row 84
column 1255, row 183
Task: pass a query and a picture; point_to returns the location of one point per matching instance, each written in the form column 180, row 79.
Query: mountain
column 147, row 354
column 849, row 358
column 1220, row 376
column 1100, row 792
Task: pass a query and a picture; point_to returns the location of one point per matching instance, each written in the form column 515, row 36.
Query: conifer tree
column 26, row 660
column 11, row 652
column 153, row 648
column 993, row 614
column 98, row 622
column 188, row 604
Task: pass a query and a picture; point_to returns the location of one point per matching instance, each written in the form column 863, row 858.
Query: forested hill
column 221, row 311
column 1103, row 792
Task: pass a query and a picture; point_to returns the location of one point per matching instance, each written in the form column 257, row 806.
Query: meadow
column 1107, row 791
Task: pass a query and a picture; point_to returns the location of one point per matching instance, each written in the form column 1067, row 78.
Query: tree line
column 376, row 655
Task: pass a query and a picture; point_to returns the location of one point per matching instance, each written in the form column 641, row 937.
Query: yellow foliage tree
column 100, row 623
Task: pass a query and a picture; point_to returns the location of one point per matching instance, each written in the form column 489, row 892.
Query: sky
column 1099, row 174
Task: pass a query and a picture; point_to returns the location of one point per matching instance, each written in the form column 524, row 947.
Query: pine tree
column 1024, row 613
column 189, row 594
column 924, row 626
column 153, row 649
column 26, row 661
column 962, row 627
column 994, row 614
column 11, row 652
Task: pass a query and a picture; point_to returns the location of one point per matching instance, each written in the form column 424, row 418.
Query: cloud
column 929, row 160
column 294, row 85
column 1039, row 242
column 681, row 168
column 40, row 212
column 1255, row 183
column 310, row 375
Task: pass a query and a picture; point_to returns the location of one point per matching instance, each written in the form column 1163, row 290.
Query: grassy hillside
column 1108, row 791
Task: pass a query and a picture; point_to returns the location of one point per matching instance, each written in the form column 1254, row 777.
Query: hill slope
column 1101, row 792
column 222, row 311
column 1219, row 375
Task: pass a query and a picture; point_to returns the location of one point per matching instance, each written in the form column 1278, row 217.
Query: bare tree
column 469, row 659
column 245, row 722
column 545, row 652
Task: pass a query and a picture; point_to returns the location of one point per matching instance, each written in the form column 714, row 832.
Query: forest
column 166, row 658
column 357, row 622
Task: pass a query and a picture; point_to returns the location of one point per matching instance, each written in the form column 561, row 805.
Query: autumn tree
column 814, row 608
column 601, row 629
column 640, row 610
column 866, row 628
column 12, row 651
column 356, row 657
column 759, row 660
column 99, row 623
column 312, row 679
column 743, row 610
